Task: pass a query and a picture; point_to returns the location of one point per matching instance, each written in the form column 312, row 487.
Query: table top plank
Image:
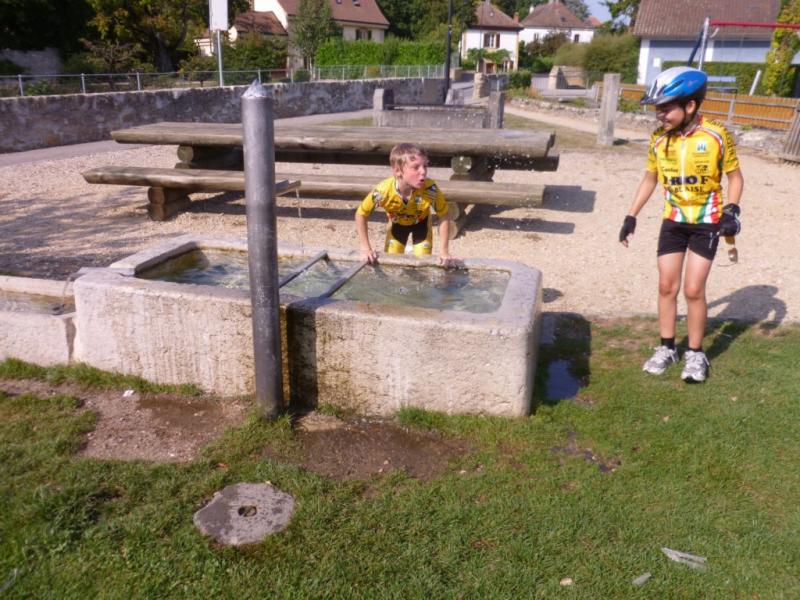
column 500, row 144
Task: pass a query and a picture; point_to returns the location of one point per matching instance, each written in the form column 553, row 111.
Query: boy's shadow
column 750, row 305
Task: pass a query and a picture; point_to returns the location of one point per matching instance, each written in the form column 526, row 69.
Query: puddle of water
column 477, row 291
column 34, row 303
column 561, row 384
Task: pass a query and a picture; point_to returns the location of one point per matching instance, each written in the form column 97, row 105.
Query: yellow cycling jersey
column 415, row 210
column 690, row 168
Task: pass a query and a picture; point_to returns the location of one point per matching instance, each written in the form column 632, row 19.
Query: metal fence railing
column 93, row 83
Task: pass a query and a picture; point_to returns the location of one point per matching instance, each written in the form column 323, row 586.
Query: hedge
column 390, row 52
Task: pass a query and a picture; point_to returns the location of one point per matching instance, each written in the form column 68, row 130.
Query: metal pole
column 138, row 82
column 219, row 58
column 83, row 83
column 447, row 49
column 21, row 87
column 703, row 43
column 262, row 247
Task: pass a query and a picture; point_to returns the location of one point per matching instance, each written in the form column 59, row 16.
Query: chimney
column 530, row 10
column 516, row 17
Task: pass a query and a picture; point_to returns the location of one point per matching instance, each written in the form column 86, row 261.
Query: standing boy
column 407, row 197
column 688, row 155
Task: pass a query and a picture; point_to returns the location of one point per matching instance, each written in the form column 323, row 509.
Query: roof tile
column 491, row 17
column 354, row 11
column 554, row 15
column 683, row 19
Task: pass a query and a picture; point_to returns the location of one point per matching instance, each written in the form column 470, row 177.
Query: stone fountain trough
column 357, row 349
column 36, row 320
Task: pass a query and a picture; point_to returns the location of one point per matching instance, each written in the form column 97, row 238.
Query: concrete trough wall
column 44, row 339
column 368, row 357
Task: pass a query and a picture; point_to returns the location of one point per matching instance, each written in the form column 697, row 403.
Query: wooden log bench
column 169, row 189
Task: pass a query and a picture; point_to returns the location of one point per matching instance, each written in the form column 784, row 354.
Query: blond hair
column 402, row 153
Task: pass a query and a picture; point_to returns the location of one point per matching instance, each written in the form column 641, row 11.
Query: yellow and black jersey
column 404, row 212
column 690, row 168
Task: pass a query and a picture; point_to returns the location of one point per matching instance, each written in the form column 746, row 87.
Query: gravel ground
column 52, row 223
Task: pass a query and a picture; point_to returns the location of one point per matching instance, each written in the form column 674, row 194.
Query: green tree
column 38, row 24
column 311, row 27
column 624, row 10
column 400, row 14
column 159, row 26
column 779, row 73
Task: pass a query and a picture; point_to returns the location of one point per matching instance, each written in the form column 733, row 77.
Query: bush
column 255, row 52
column 570, row 55
column 519, row 79
column 613, row 54
column 392, row 52
column 8, row 67
column 301, row 75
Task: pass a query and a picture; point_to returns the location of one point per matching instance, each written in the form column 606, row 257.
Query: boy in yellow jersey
column 688, row 155
column 407, row 197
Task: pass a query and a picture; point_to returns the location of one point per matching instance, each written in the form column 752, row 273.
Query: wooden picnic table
column 474, row 153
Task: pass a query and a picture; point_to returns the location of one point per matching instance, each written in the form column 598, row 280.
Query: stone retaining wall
column 41, row 121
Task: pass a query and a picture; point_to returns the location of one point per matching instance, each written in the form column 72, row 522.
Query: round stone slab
column 245, row 513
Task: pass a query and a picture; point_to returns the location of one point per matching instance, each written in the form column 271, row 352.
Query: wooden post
column 497, row 101
column 608, row 109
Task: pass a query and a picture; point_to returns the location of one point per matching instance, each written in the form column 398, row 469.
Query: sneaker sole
column 690, row 379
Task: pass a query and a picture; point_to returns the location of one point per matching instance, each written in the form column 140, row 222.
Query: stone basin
column 370, row 355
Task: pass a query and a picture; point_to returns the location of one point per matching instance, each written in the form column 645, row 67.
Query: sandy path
column 52, row 223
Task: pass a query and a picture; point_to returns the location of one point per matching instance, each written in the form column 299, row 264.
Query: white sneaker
column 696, row 367
column 661, row 359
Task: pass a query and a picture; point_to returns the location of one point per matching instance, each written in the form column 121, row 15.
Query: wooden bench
column 169, row 189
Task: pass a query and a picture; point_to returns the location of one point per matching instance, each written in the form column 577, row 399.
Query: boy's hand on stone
column 370, row 256
column 729, row 224
column 628, row 227
column 448, row 261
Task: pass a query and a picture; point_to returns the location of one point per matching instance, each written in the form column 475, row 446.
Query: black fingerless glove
column 628, row 227
column 729, row 224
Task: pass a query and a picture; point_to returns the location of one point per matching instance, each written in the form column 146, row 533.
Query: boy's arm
column 444, row 242
column 367, row 253
column 643, row 193
column 735, row 186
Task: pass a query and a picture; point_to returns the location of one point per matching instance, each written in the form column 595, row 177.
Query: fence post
column 259, row 76
column 608, row 109
column 138, row 82
column 730, row 108
column 83, row 84
column 21, row 87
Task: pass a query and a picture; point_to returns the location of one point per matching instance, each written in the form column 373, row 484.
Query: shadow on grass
column 563, row 363
column 752, row 305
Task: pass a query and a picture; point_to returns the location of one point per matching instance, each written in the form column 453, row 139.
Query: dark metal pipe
column 303, row 268
column 262, row 247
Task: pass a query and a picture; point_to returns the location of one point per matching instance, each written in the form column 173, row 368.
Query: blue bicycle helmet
column 677, row 83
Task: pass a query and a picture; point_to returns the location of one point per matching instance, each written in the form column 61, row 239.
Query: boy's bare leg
column 669, row 283
column 694, row 289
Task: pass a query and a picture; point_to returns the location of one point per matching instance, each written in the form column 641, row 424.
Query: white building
column 493, row 30
column 554, row 17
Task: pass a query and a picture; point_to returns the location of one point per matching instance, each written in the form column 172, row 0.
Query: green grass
column 708, row 469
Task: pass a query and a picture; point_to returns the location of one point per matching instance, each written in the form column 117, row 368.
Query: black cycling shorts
column 700, row 238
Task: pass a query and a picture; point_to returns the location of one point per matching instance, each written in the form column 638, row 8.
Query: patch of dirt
column 363, row 448
column 133, row 426
column 606, row 465
column 173, row 428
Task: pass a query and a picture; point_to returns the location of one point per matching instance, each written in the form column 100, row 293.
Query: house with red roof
column 493, row 30
column 359, row 19
column 670, row 30
column 555, row 17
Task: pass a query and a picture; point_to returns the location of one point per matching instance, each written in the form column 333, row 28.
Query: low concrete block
column 37, row 336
